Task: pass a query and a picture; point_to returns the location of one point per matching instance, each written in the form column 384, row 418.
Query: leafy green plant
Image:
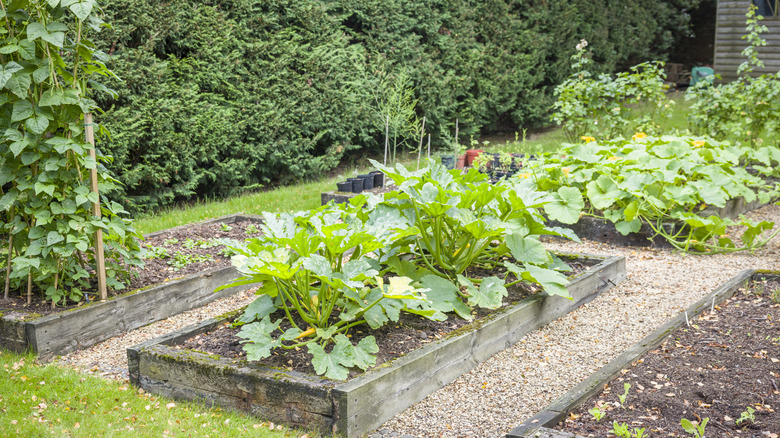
column 697, row 430
column 396, row 105
column 602, row 106
column 597, row 413
column 251, row 229
column 170, row 241
column 657, row 181
column 189, row 243
column 225, row 227
column 155, row 252
column 316, row 270
column 48, row 67
column 181, row 260
column 620, row 430
column 747, row 415
column 744, row 109
column 453, row 221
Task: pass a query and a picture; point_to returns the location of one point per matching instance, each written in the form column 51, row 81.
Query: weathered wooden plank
column 558, row 409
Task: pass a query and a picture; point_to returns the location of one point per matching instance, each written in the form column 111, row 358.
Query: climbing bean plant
column 48, row 67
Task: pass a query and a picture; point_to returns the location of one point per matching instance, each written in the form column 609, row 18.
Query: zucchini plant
column 318, row 282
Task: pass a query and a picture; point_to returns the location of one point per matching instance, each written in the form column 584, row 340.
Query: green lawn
column 54, row 401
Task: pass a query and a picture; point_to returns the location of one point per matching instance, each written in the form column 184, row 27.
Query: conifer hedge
column 218, row 96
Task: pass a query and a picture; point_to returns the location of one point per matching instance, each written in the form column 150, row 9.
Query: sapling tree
column 48, row 67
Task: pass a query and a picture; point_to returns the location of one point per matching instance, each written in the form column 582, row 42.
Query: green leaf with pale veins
column 259, row 341
column 19, row 85
column 7, row 72
column 261, row 307
column 22, row 110
column 627, row 227
column 443, row 295
column 566, row 205
column 330, row 365
column 365, row 353
column 490, row 293
column 81, row 10
column 27, row 50
column 37, row 125
column 527, row 249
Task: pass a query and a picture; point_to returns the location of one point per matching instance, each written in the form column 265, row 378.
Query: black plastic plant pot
column 368, row 181
column 500, row 174
column 379, row 180
column 357, row 184
column 448, row 161
column 344, row 186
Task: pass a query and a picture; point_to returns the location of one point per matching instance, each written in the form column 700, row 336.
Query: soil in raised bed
column 156, row 271
column 715, row 368
column 394, row 339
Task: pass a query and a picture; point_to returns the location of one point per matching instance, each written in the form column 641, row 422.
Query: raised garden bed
column 49, row 333
column 365, row 402
column 714, row 368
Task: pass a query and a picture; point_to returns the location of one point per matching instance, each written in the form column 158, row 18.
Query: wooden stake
column 89, row 133
column 429, row 146
column 53, row 299
column 29, row 288
column 387, row 138
column 8, row 266
column 422, row 136
column 456, row 139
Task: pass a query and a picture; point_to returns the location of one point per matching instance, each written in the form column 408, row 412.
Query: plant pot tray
column 539, row 425
column 602, row 230
column 358, row 406
column 86, row 325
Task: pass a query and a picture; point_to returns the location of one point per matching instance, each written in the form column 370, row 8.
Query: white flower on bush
column 582, row 44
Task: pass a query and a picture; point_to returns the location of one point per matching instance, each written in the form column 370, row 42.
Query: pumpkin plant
column 48, row 68
column 660, row 181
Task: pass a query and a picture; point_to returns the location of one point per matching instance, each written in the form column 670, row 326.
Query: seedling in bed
column 626, row 387
column 620, row 430
column 180, row 260
column 747, row 415
column 172, row 241
column 696, row 430
column 225, row 227
column 597, row 413
column 251, row 229
column 189, row 243
column 155, row 252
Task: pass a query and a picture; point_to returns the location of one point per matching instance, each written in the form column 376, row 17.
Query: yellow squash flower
column 613, row 158
column 565, row 171
column 524, row 175
column 698, row 143
column 587, row 139
column 639, row 135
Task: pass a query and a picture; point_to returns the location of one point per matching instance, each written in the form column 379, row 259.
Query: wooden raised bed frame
column 83, row 326
column 362, row 404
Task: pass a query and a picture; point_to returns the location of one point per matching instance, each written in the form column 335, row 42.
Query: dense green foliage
column 220, row 96
column 47, row 71
column 606, row 107
column 743, row 110
column 659, row 181
column 325, row 271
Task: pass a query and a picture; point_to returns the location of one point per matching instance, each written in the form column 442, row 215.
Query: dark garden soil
column 188, row 242
column 394, row 339
column 722, row 364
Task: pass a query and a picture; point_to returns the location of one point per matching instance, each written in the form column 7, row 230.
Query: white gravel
column 518, row 382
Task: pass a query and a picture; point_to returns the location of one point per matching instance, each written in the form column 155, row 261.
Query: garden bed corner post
column 100, row 260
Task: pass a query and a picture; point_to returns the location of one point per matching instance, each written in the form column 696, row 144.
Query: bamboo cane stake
column 89, row 133
column 29, row 288
column 429, row 146
column 457, row 144
column 8, row 267
column 387, row 138
column 419, row 149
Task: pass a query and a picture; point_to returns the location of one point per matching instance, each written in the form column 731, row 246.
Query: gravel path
column 516, row 383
